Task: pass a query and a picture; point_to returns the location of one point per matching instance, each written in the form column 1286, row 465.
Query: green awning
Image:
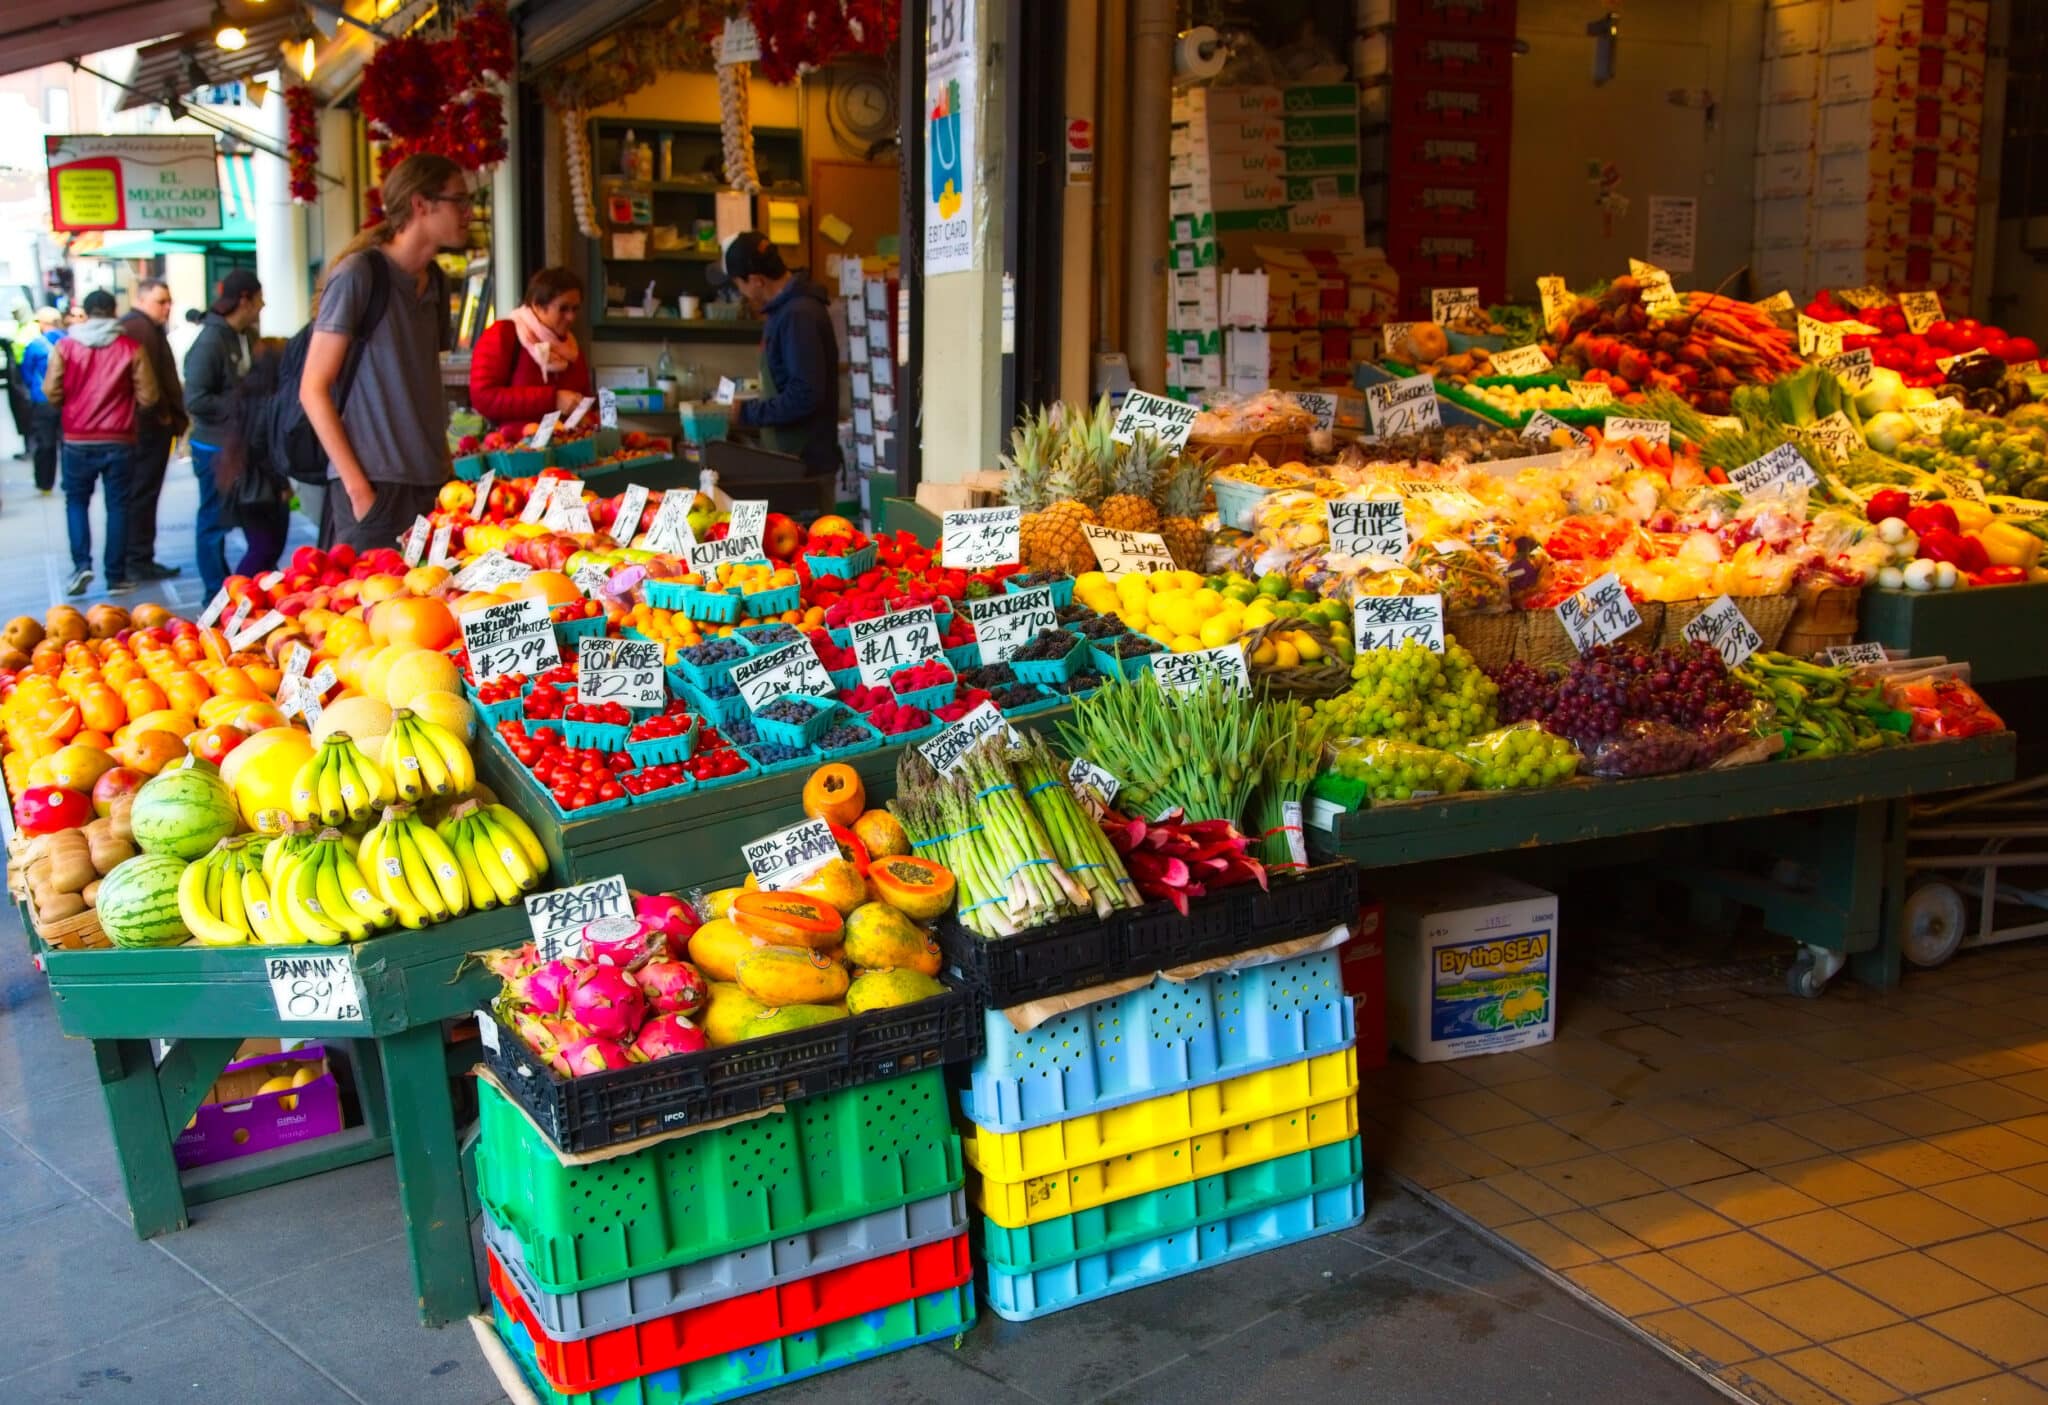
column 237, row 230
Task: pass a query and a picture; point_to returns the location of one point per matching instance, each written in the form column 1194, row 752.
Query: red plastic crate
column 1363, row 964
column 1454, row 153
column 1491, row 17
column 611, row 1358
column 1427, row 257
column 1460, row 105
column 1455, row 55
column 1450, row 204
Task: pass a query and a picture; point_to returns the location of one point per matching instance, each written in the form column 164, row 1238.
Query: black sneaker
column 119, row 587
column 80, row 579
column 154, row 571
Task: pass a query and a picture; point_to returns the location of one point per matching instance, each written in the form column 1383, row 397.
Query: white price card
column 1599, row 614
column 748, row 521
column 1159, row 419
column 536, row 505
column 977, row 538
column 948, row 748
column 482, row 502
column 1869, row 651
column 2020, row 509
column 1290, row 825
column 1851, row 368
column 1835, row 436
column 557, row 917
column 591, row 580
column 320, row 989
column 1557, row 299
column 237, row 618
column 1368, row 527
column 515, row 637
column 789, row 856
column 1121, row 553
column 1397, row 342
column 489, row 571
column 1776, row 303
column 1185, row 673
column 1818, row 339
column 607, row 408
column 632, row 506
column 254, row 630
column 794, row 668
column 739, row 42
column 1003, row 624
column 888, row 642
column 1922, row 310
column 1522, row 361
column 1388, row 621
column 1654, row 281
column 1782, row 468
column 1445, row 304
column 1619, row 428
column 1085, row 773
column 1589, row 395
column 624, row 671
column 670, row 532
column 1723, row 627
column 1405, row 406
column 1932, row 417
column 543, row 435
column 1865, row 298
column 1723, row 424
column 413, row 545
column 567, row 512
column 706, row 557
column 437, row 554
column 1960, row 485
column 582, row 408
column 727, row 392
column 213, row 608
column 1542, row 425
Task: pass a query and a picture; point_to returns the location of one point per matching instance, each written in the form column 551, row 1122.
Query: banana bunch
column 424, row 758
column 320, row 892
column 338, row 782
column 222, row 897
column 412, row 869
column 499, row 855
column 1819, row 709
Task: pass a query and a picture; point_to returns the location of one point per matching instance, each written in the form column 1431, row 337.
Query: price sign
column 1185, row 673
column 1388, row 621
column 567, row 512
column 1851, row 368
column 950, row 747
column 1776, row 303
column 1863, row 299
column 706, row 557
column 2020, row 509
column 1398, row 341
column 1782, row 468
column 1154, row 416
column 739, row 42
column 607, row 408
column 557, row 917
column 632, row 504
column 537, row 499
column 1121, row 553
column 249, row 633
column 794, row 668
column 1960, row 485
column 624, row 671
column 670, row 532
column 789, row 856
column 489, row 571
column 239, row 617
column 483, row 495
column 1835, row 436
column 1557, row 299
column 1445, row 304
column 546, row 432
column 316, row 989
column 582, row 408
column 1372, row 527
column 1856, row 655
column 1543, row 425
column 977, row 538
column 1819, row 339
column 1290, row 825
column 515, row 637
column 748, row 521
column 1589, row 395
column 1723, row 627
column 296, row 657
column 437, row 554
column 889, row 642
column 1323, row 406
column 1922, row 310
column 413, row 544
column 728, row 391
column 1932, row 417
column 1003, row 624
column 213, row 608
column 1599, row 614
column 591, row 580
column 1405, row 406
column 1654, row 281
column 1522, row 361
column 1650, row 431
column 1085, row 773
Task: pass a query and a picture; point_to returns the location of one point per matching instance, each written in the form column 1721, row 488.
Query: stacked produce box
column 871, row 357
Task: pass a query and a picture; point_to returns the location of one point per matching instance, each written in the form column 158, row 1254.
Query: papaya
column 728, row 1013
column 786, row 919
column 787, row 1017
column 716, row 948
column 879, row 938
column 918, row 888
column 834, row 793
column 881, row 990
column 790, row 975
column 883, row 834
column 719, row 903
column 838, row 882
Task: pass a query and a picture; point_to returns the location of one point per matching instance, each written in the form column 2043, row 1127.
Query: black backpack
column 294, row 447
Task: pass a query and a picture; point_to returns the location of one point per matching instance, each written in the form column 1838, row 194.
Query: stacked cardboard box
column 871, row 361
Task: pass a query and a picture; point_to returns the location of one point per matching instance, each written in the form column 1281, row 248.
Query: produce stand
column 2000, row 631
column 1853, row 811
column 205, row 1001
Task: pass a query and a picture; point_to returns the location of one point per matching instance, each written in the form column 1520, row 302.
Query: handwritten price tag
column 1835, row 437
column 889, row 642
column 1932, row 417
column 1405, row 406
column 950, row 747
column 491, row 570
column 794, row 668
column 537, row 499
column 748, row 521
column 1388, row 621
column 1599, row 614
column 1589, row 395
column 1445, row 304
column 545, row 434
column 1121, row 553
column 1654, row 281
column 1543, row 425
column 1922, row 310
column 1372, row 527
column 413, row 544
column 1186, row 673
column 1157, row 418
column 632, row 506
column 670, row 532
column 1397, row 340
column 1557, row 299
column 977, row 538
column 1003, row 624
column 1649, row 431
column 316, row 989
column 213, row 608
column 582, row 408
column 483, row 495
column 1818, row 340
column 1782, row 468
column 624, row 671
column 789, row 856
column 516, row 637
column 1086, row 773
column 1522, row 361
column 706, row 557
column 607, row 408
column 1851, row 368
column 1723, row 627
column 437, row 554
column 1857, row 654
column 557, row 917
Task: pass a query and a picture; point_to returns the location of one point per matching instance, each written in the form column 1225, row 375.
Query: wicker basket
column 1542, row 639
column 1274, row 447
column 1490, row 639
column 1767, row 615
column 1802, row 643
column 1822, row 607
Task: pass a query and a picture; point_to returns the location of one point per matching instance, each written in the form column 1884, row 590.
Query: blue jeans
column 84, row 465
column 212, row 537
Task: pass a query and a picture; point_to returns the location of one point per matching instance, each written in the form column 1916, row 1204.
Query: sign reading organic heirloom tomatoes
column 516, row 637
column 132, row 182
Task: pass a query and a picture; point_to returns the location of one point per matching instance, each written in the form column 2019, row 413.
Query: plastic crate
column 1020, row 1297
column 963, row 656
column 1476, row 201
column 1162, row 1037
column 665, row 595
column 735, row 1324
column 750, row 637
column 581, row 453
column 844, row 679
column 588, row 812
column 518, row 463
column 1062, row 590
column 470, row 467
column 930, row 698
column 509, row 710
column 707, row 608
column 1456, row 57
column 1112, row 665
column 872, row 741
column 654, row 751
column 1459, row 104
column 604, row 1109
column 759, row 1368
column 1195, row 1110
column 597, row 736
column 855, row 563
column 1050, row 671
column 802, row 760
column 1121, row 1223
column 752, row 773
column 798, row 734
column 722, row 711
column 1438, row 153
column 1237, row 504
column 706, row 675
column 569, row 631
column 1469, row 17
column 668, row 792
column 704, row 423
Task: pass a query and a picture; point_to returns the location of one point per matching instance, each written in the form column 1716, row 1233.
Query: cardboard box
column 1320, row 128
column 1471, row 963
column 237, row 1120
column 1302, row 98
column 1209, row 104
column 1783, row 174
column 1223, row 133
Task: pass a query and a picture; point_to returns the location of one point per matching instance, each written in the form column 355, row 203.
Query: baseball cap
column 237, row 284
column 748, row 254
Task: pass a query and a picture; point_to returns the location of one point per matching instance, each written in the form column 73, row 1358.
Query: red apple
column 309, row 560
column 112, row 785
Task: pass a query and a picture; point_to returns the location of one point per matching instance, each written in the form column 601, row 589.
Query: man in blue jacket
column 798, row 412
column 44, row 425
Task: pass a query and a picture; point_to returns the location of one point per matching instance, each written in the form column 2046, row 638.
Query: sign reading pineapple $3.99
column 1154, row 416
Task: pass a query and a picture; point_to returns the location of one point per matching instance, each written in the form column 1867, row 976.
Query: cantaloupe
column 420, row 671
column 364, row 718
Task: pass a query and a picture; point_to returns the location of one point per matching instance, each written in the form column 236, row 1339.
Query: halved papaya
column 917, row 888
column 787, row 919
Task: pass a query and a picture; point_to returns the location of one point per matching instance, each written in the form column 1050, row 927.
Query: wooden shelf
column 676, row 329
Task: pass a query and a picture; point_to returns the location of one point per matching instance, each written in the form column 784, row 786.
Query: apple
column 342, row 556
column 455, row 496
column 112, row 785
column 781, row 536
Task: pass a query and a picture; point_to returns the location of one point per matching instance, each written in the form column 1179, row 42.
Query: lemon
column 1216, row 632
column 1264, row 655
column 1285, row 655
column 1184, row 644
column 1090, row 580
column 1257, row 616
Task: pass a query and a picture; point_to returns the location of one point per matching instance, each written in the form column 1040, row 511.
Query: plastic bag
column 1518, row 757
column 1394, row 770
column 1943, row 708
column 1651, row 749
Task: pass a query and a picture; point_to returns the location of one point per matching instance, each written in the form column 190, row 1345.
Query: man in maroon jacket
column 98, row 379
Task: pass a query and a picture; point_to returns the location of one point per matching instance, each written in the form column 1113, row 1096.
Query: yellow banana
column 231, row 909
column 441, row 863
column 402, row 759
column 386, row 873
column 263, row 916
column 460, row 840
column 305, row 801
column 333, row 807
column 503, row 885
column 454, row 755
column 302, row 907
column 418, row 876
column 503, row 817
column 334, row 903
column 508, row 850
column 373, row 778
column 205, row 924
column 358, row 793
column 355, row 886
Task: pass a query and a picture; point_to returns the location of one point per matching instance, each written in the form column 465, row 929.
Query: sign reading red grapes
column 1599, row 614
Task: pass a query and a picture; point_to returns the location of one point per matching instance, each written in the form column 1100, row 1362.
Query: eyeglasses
column 466, row 200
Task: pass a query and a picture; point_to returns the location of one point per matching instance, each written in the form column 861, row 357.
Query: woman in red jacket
column 529, row 363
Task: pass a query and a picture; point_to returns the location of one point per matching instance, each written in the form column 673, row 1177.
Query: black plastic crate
column 1300, row 904
column 1049, row 960
column 605, row 1109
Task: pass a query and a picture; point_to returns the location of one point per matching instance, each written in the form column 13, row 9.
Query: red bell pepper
column 1999, row 575
column 1964, row 553
column 1932, row 516
column 45, row 809
column 1888, row 502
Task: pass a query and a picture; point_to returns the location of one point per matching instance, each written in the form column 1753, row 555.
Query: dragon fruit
column 672, row 987
column 511, row 963
column 546, row 988
column 545, row 1034
column 593, row 1056
column 619, row 941
column 606, row 1000
column 675, row 919
column 668, row 1034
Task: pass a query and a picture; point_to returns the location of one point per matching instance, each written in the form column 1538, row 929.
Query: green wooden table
column 204, row 1001
column 1843, row 817
column 2002, row 631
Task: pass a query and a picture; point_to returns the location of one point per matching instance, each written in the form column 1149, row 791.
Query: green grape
column 1412, row 693
column 1520, row 757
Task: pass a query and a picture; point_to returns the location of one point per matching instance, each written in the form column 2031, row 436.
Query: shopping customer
column 99, row 380
column 528, row 364
column 149, row 313
column 213, row 367
column 44, row 431
column 251, row 491
column 798, row 412
column 378, row 409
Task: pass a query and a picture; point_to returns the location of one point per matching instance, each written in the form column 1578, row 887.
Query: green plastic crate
column 826, row 1159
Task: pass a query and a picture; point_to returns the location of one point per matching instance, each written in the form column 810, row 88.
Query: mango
column 790, row 975
column 880, row 990
column 730, row 1013
column 880, row 938
column 788, row 1017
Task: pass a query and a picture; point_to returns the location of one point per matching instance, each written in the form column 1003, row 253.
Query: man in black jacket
column 214, row 365
column 149, row 312
column 798, row 412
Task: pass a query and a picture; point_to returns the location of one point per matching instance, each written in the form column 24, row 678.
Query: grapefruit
column 259, row 772
column 420, row 671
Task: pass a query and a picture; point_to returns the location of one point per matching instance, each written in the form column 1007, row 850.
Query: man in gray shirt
column 387, row 438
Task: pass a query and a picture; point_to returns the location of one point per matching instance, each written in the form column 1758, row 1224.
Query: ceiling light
column 306, row 60
column 230, row 37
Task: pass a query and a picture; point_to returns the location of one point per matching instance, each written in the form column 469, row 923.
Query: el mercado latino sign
column 132, row 182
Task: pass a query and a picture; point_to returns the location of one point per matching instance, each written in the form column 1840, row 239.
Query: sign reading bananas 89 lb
column 316, row 989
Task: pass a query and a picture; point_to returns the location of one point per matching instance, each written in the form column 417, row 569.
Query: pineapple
column 1181, row 496
column 1074, row 486
column 1130, row 508
column 1034, row 444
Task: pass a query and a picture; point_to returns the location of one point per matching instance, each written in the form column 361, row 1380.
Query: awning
column 237, row 230
column 36, row 32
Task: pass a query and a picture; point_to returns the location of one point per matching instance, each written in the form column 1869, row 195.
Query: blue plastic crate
column 751, row 637
column 656, row 750
column 872, row 742
column 720, row 711
column 936, row 696
column 704, row 675
column 1062, row 590
column 518, row 463
column 1110, row 665
column 1053, row 670
column 840, row 634
column 854, row 563
column 752, row 773
column 801, row 761
column 964, row 656
column 581, row 453
column 511, row 709
column 1020, row 1297
column 1156, row 1039
column 798, row 734
column 567, row 632
column 470, row 467
column 598, row 736
column 667, row 792
column 844, row 678
column 546, row 724
column 763, row 603
column 665, row 595
column 587, row 812
column 706, row 608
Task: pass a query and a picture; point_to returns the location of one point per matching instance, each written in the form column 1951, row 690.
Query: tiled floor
column 1834, row 1199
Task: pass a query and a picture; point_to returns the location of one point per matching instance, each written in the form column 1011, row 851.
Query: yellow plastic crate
column 1185, row 1112
column 1015, row 1204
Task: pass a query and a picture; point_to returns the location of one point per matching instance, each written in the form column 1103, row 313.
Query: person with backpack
column 251, row 491
column 149, row 312
column 99, row 380
column 45, row 430
column 213, row 367
column 370, row 382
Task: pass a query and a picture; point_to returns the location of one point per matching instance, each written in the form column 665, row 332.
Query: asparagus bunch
column 1078, row 842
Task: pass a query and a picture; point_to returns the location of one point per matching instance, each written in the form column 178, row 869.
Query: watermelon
column 138, row 902
column 183, row 812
